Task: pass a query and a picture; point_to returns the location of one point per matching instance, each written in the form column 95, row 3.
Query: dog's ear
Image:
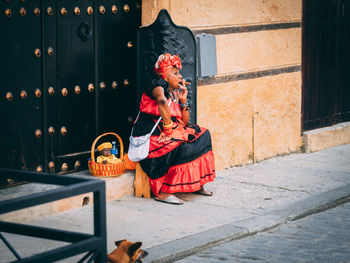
column 133, row 248
column 117, row 243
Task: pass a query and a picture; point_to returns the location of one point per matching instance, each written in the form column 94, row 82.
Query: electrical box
column 206, row 48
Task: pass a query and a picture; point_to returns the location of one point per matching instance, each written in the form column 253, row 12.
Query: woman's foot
column 203, row 191
column 169, row 198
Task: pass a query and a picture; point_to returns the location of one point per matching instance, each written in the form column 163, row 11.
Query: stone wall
column 253, row 105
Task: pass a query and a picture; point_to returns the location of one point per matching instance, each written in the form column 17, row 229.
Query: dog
column 127, row 252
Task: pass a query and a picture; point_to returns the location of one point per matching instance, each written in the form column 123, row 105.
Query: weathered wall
column 258, row 50
column 212, row 13
column 252, row 119
column 253, row 106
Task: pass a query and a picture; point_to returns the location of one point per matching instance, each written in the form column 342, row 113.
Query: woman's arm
column 158, row 94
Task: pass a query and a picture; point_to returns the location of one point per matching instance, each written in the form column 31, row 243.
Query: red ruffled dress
column 183, row 164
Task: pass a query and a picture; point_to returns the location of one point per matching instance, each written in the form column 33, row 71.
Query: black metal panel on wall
column 68, row 74
column 161, row 37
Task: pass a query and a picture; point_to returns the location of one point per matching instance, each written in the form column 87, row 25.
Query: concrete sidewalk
column 246, row 200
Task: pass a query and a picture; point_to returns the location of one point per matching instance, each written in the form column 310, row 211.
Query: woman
column 180, row 156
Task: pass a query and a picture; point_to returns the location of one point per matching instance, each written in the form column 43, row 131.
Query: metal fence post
column 100, row 222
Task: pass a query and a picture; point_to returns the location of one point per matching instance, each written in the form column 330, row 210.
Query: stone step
column 116, row 188
column 323, row 138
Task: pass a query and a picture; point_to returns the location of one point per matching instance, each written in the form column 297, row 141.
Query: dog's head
column 127, row 252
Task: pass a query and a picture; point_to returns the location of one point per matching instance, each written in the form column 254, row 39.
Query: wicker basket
column 108, row 169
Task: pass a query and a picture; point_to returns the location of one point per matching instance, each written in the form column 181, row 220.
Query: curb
column 187, row 246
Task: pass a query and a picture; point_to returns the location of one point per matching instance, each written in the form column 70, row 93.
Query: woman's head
column 167, row 67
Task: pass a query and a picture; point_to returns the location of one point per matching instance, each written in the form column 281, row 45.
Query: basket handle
column 99, row 137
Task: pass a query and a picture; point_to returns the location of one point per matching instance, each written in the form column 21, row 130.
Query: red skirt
column 181, row 165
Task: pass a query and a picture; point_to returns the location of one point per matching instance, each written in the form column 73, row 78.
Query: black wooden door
column 326, row 56
column 117, row 66
column 21, row 107
column 68, row 71
column 75, row 126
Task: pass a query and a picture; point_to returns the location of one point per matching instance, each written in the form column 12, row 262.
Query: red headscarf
column 165, row 62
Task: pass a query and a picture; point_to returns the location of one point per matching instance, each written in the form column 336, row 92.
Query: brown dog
column 127, row 252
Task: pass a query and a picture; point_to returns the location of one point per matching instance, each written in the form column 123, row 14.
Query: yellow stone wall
column 251, row 120
column 258, row 50
column 258, row 117
column 213, row 13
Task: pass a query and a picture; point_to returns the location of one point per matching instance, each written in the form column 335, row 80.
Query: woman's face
column 174, row 78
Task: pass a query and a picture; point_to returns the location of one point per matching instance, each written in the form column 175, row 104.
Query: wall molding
column 248, row 75
column 247, row 28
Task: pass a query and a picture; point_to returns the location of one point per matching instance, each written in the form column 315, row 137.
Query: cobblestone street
column 322, row 237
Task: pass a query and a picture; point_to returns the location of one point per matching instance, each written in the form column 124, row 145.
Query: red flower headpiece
column 165, row 62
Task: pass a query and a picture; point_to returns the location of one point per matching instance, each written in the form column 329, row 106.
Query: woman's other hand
column 182, row 95
column 163, row 137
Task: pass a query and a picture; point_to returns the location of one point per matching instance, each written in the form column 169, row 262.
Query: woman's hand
column 163, row 137
column 183, row 94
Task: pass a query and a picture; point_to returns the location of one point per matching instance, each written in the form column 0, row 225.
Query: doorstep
column 323, row 138
column 116, row 188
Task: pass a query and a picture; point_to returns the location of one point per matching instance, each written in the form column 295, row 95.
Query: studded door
column 68, row 71
column 21, row 107
column 75, row 127
column 117, row 66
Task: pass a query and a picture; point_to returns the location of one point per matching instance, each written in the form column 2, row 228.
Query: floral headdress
column 165, row 62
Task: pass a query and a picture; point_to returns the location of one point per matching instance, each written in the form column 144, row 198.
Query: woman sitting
column 180, row 155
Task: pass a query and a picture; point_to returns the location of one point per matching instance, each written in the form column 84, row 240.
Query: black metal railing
column 94, row 245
